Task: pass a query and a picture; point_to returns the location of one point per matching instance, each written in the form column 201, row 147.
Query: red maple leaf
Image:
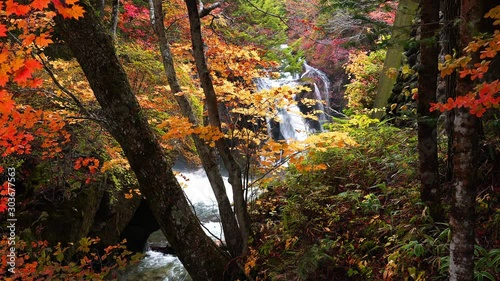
column 3, row 30
column 22, row 75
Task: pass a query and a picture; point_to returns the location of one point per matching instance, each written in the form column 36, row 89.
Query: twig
column 46, row 67
column 194, row 211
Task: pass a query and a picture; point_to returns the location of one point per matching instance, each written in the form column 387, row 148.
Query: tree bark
column 426, row 120
column 235, row 177
column 206, row 153
column 451, row 13
column 93, row 47
column 114, row 16
column 465, row 147
column 400, row 33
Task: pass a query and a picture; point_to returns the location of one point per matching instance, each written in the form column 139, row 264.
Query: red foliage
column 386, row 12
column 135, row 24
column 486, row 94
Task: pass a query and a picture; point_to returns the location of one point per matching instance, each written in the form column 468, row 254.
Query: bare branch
column 205, row 11
column 73, row 97
column 46, row 67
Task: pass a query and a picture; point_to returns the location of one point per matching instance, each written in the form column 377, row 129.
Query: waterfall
column 292, row 125
column 314, row 73
column 159, row 266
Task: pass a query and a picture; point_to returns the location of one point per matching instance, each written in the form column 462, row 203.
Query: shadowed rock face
column 137, row 231
column 98, row 209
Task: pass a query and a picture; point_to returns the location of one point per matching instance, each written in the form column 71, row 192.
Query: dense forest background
column 397, row 179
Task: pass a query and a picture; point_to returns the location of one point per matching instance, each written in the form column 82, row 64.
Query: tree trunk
column 451, row 12
column 114, row 16
column 427, row 121
column 102, row 5
column 400, row 33
column 235, row 177
column 465, row 146
column 206, row 153
column 93, row 48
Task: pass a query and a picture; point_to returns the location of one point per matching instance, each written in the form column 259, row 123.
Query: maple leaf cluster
column 39, row 260
column 486, row 94
column 25, row 31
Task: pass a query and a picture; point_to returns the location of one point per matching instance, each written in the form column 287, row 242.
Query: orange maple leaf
column 75, row 11
column 33, row 64
column 28, row 39
column 43, row 40
column 17, row 63
column 4, row 55
column 78, row 163
column 22, row 75
column 40, row 4
column 13, row 8
column 3, row 79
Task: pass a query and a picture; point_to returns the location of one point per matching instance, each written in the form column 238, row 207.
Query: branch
column 201, row 224
column 46, row 67
column 75, row 99
column 277, row 165
column 205, row 11
column 268, row 13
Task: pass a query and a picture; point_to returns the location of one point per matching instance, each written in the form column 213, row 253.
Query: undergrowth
column 360, row 219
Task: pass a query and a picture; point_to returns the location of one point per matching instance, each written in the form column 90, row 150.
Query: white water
column 159, row 266
column 197, row 187
column 311, row 72
column 292, row 125
column 166, row 267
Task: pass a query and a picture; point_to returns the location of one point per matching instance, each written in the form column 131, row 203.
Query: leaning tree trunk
column 93, row 47
column 400, row 34
column 206, row 153
column 427, row 121
column 235, row 177
column 465, row 146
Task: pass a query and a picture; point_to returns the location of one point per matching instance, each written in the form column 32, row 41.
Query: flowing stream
column 166, row 267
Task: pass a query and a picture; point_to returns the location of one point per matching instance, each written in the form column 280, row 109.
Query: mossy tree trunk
column 92, row 45
column 401, row 33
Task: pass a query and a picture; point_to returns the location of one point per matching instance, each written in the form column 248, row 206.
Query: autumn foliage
column 485, row 95
column 25, row 30
column 40, row 261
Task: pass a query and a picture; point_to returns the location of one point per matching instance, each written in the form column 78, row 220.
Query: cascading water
column 166, row 267
column 292, row 125
column 159, row 266
column 320, row 78
column 321, row 90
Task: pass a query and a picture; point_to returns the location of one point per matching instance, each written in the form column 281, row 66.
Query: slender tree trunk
column 427, row 121
column 206, row 153
column 102, row 4
column 462, row 216
column 235, row 177
column 114, row 16
column 451, row 12
column 93, row 47
column 465, row 146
